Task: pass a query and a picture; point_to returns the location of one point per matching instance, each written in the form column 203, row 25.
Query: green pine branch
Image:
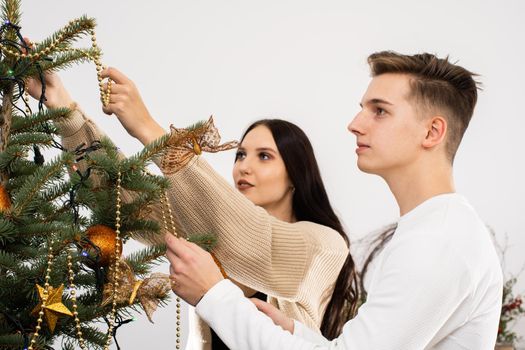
column 92, row 335
column 43, row 229
column 25, row 198
column 8, row 261
column 11, row 341
column 8, row 231
column 11, row 11
column 85, row 196
column 31, row 138
column 143, row 260
column 106, row 165
column 206, row 241
column 9, row 155
column 4, row 69
column 151, row 150
column 55, row 192
column 138, row 181
column 136, row 225
column 20, row 167
column 63, row 60
column 65, row 37
column 85, row 280
column 196, row 125
column 34, row 121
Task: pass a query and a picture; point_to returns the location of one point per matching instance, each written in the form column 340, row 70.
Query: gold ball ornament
column 5, row 202
column 105, row 238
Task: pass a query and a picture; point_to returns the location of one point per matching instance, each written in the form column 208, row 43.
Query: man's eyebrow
column 376, row 101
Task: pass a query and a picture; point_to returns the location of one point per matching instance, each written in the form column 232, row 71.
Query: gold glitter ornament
column 5, row 202
column 105, row 239
column 51, row 306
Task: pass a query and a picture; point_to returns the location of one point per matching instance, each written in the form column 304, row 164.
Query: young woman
column 277, row 232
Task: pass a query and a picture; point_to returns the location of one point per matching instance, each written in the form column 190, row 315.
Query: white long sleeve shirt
column 437, row 285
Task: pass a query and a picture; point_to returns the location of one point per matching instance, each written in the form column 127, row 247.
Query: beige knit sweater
column 295, row 264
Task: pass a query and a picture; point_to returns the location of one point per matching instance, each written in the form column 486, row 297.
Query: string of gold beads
column 170, row 214
column 73, row 292
column 95, row 58
column 116, row 265
column 39, row 321
column 166, row 207
column 177, row 338
column 26, row 99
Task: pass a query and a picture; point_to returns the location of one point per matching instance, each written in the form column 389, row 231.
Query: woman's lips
column 243, row 185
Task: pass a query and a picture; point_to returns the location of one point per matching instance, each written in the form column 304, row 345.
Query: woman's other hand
column 192, row 270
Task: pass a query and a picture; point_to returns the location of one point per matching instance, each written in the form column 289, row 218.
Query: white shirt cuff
column 300, row 330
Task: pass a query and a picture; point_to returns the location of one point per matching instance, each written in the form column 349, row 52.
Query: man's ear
column 436, row 131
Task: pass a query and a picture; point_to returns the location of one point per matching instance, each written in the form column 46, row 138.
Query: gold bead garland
column 95, row 58
column 39, row 321
column 166, row 207
column 116, row 265
column 72, row 285
column 26, row 100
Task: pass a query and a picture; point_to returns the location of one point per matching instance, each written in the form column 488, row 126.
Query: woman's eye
column 240, row 155
column 264, row 156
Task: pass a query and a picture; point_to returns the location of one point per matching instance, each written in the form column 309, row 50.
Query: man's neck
column 413, row 187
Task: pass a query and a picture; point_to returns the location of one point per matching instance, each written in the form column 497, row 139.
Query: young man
column 438, row 283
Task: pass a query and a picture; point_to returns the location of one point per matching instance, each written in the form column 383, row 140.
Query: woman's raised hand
column 126, row 103
column 56, row 94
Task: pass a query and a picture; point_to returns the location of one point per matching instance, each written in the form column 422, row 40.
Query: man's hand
column 192, row 271
column 275, row 314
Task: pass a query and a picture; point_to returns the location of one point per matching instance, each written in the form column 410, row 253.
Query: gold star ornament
column 53, row 308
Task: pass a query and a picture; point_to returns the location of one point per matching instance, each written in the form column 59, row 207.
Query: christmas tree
column 63, row 221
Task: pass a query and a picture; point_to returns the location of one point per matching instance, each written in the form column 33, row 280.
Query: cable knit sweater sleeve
column 267, row 254
column 78, row 129
column 298, row 262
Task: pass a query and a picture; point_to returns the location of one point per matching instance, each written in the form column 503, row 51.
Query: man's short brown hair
column 437, row 85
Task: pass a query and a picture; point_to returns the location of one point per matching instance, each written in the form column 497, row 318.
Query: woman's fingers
column 191, row 268
column 115, row 75
column 175, row 245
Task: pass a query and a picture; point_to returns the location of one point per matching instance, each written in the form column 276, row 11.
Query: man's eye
column 380, row 111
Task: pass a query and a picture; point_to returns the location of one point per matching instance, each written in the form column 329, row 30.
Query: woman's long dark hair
column 310, row 203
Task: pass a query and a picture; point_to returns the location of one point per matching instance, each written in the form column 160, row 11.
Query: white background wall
column 305, row 61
